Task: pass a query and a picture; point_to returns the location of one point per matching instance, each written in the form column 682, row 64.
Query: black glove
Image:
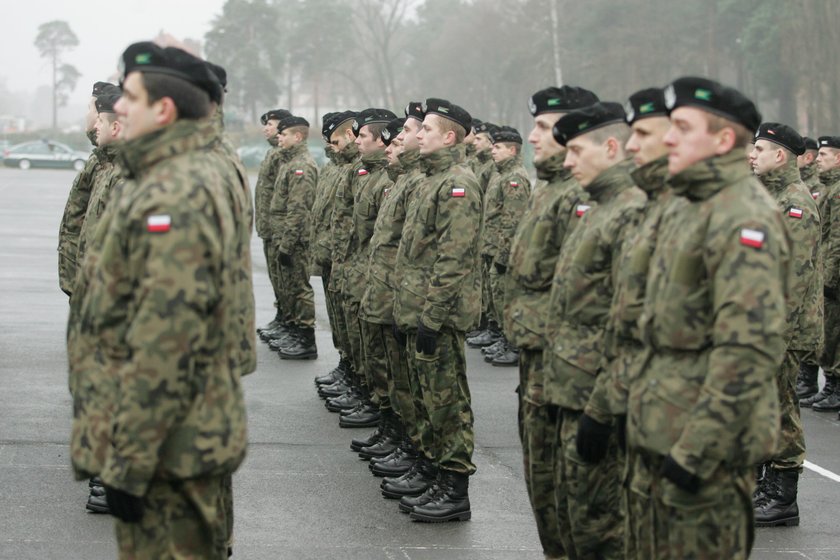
column 592, row 439
column 284, row 258
column 399, row 335
column 621, row 426
column 500, row 268
column 426, row 340
column 830, row 293
column 488, row 260
column 679, row 476
column 123, row 505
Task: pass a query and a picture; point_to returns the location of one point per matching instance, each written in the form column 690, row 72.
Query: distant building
column 10, row 124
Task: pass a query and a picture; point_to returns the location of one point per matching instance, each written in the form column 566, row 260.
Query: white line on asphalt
column 825, row 472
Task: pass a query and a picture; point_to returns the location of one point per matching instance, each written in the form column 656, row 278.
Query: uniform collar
column 182, row 136
column 651, row 177
column 483, row 156
column 374, row 161
column 776, row 180
column 611, row 181
column 552, row 168
column 348, row 154
column 409, row 160
column 706, row 178
column 509, row 163
column 441, row 160
column 809, row 171
column 830, row 177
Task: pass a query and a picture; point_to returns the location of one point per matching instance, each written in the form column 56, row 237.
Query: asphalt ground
column 301, row 493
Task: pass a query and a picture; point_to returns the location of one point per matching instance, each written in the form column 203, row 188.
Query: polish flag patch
column 795, row 213
column 363, row 171
column 815, row 195
column 752, row 238
column 159, row 223
column 385, row 193
column 581, row 209
column 299, row 172
column 514, row 184
column 459, row 192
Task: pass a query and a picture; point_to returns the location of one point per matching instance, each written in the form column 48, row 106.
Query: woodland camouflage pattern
column 71, row 224
column 504, row 204
column 107, row 174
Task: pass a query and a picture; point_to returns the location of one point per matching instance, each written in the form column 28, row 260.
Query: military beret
column 371, row 116
column 103, row 87
column 713, row 97
column 560, row 100
column 291, row 121
column 783, row 135
column 645, row 103
column 326, row 120
column 148, row 57
column 338, row 120
column 447, row 110
column 476, row 123
column 810, row 143
column 505, row 134
column 105, row 102
column 582, row 121
column 484, row 127
column 274, row 114
column 221, row 76
column 414, row 110
column 829, row 141
column 391, row 130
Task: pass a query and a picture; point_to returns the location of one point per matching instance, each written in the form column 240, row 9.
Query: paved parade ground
column 301, row 493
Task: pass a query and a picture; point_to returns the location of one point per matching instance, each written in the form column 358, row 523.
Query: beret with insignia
column 582, row 121
column 414, row 110
column 560, row 100
column 484, row 127
column 475, row 124
column 371, row 116
column 147, row 57
column 810, row 143
column 447, row 110
column 103, row 87
column 505, row 134
column 713, row 97
column 274, row 114
column 291, row 121
column 645, row 103
column 105, row 102
column 391, row 131
column 326, row 119
column 783, row 135
column 829, row 142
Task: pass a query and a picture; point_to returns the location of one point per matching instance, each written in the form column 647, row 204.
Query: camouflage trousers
column 442, row 380
column 353, row 326
column 399, row 384
column 537, row 431
column 376, row 363
column 271, row 265
column 830, row 359
column 487, row 293
column 330, row 304
column 588, row 496
column 295, row 290
column 338, row 323
column 791, row 448
column 667, row 523
column 497, row 294
column 182, row 519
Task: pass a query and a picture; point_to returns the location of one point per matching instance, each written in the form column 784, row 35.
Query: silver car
column 44, row 153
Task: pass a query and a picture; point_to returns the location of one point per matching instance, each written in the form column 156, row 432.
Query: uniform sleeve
column 71, row 226
column 515, row 192
column 175, row 287
column 832, row 249
column 293, row 226
column 803, row 228
column 342, row 215
column 263, row 192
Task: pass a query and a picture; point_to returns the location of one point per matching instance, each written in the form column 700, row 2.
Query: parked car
column 44, row 153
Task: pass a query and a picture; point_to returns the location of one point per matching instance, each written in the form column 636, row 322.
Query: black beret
column 221, row 76
column 475, row 124
column 783, row 135
column 505, row 134
column 393, row 128
column 148, row 57
column 414, row 110
column 447, row 110
column 560, row 100
column 105, row 102
column 810, row 143
column 274, row 114
column 291, row 121
column 645, row 103
column 371, row 116
column 484, row 127
column 337, row 120
column 103, row 87
column 713, row 97
column 581, row 121
column 326, row 119
column 829, row 141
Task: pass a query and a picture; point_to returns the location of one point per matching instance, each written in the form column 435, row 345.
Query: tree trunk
column 555, row 44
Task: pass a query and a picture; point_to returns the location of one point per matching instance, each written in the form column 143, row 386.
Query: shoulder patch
column 815, row 195
column 363, row 171
column 581, row 209
column 795, row 212
column 752, row 238
column 298, row 172
column 158, row 223
column 514, row 184
column 458, row 192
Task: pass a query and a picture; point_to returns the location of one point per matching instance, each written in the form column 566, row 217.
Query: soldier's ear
column 725, row 139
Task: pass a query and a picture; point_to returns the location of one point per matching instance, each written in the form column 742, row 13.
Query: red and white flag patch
column 363, row 171
column 581, row 209
column 385, row 192
column 159, row 223
column 298, row 172
column 815, row 195
column 795, row 213
column 514, row 184
column 459, row 191
column 752, row 238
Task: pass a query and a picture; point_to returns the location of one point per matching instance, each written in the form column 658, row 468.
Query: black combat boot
column 507, row 358
column 826, row 392
column 281, row 330
column 780, row 507
column 486, row 338
column 482, row 326
column 806, row 385
column 285, row 337
column 302, row 347
column 831, row 402
column 338, row 372
column 272, row 325
column 96, row 502
column 379, row 433
column 494, row 348
column 336, row 389
column 763, row 476
column 413, row 483
column 365, row 416
column 397, row 463
column 346, row 402
column 387, row 444
column 450, row 503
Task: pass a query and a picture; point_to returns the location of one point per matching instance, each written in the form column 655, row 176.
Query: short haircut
column 448, row 124
column 376, row 129
column 302, row 130
column 518, row 147
column 619, row 131
column 718, row 123
column 110, row 117
column 192, row 102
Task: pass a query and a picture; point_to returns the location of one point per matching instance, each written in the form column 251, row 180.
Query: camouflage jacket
column 108, row 173
column 370, row 183
column 320, row 237
column 438, row 254
column 714, row 323
column 622, row 339
column 341, row 222
column 264, row 190
column 291, row 202
column 71, row 224
column 504, row 203
column 831, row 230
column 583, row 286
column 486, row 170
column 160, row 312
column 556, row 205
column 378, row 301
column 805, row 287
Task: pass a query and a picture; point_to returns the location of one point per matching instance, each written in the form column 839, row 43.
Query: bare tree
column 53, row 39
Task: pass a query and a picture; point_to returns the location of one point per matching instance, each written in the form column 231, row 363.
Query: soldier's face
column 645, row 142
column 502, row 151
column 689, row 140
column 541, row 138
column 90, row 117
column 367, row 142
column 409, row 135
column 270, row 129
column 137, row 116
column 393, row 150
column 586, row 159
column 765, row 157
column 828, row 159
column 806, row 159
column 482, row 142
column 469, row 138
column 430, row 137
column 106, row 130
column 289, row 138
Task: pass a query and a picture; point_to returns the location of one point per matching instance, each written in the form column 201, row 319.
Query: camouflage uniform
column 830, row 249
column 714, row 327
column 810, row 176
column 439, row 287
column 805, row 303
column 161, row 415
column 71, row 224
column 557, row 202
column 588, row 495
column 289, row 216
column 484, row 167
column 108, row 173
column 377, row 305
column 263, row 192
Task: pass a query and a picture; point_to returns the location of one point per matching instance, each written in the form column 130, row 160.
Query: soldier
column 557, row 202
column 504, row 203
column 77, row 200
column 703, row 409
column 437, row 302
column 828, row 163
column 289, row 219
column 162, row 414
column 773, row 160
